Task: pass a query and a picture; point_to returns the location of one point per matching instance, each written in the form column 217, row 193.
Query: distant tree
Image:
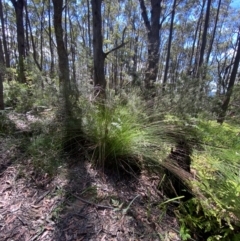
column 225, row 104
column 4, row 38
column 1, row 77
column 18, row 7
column 169, row 44
column 204, row 37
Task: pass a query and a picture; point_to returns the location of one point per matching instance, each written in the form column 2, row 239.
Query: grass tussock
column 121, row 132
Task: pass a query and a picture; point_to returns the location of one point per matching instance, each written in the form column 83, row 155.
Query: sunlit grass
column 123, row 132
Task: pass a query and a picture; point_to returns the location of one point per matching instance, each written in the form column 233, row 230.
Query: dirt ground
column 79, row 203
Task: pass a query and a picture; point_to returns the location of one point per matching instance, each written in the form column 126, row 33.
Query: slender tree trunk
column 73, row 55
column 4, row 39
column 65, row 24
column 98, row 54
column 63, row 63
column 198, row 29
column 26, row 30
column 90, row 67
column 2, row 67
column 231, row 83
column 41, row 34
column 153, row 29
column 214, row 32
column 18, row 7
column 50, row 39
column 204, row 36
column 33, row 43
column 169, row 46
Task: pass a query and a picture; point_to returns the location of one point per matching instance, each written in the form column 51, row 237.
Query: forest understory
column 79, row 202
column 119, row 120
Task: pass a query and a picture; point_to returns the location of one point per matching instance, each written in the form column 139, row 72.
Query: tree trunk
column 33, row 42
column 50, row 39
column 6, row 52
column 1, row 77
column 63, row 63
column 231, row 83
column 169, row 46
column 204, row 37
column 18, row 7
column 153, row 29
column 214, row 31
column 192, row 70
column 98, row 54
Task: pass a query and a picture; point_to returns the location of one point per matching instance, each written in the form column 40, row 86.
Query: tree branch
column 119, row 46
column 144, row 15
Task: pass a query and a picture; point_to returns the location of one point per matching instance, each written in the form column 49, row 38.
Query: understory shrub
column 24, row 97
column 6, row 125
column 44, row 147
column 120, row 132
column 214, row 213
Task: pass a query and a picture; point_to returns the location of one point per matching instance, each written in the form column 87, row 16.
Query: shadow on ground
column 78, row 203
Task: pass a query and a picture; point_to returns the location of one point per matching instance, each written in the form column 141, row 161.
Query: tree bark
column 204, row 37
column 4, row 40
column 50, row 39
column 1, row 77
column 18, row 7
column 153, row 29
column 191, row 69
column 169, row 46
column 98, row 54
column 63, row 64
column 214, row 31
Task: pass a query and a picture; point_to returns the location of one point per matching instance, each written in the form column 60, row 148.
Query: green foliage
column 6, row 125
column 120, row 131
column 45, row 147
column 215, row 211
column 18, row 96
column 222, row 141
column 207, row 220
column 38, row 91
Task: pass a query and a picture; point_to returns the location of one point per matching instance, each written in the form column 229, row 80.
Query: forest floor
column 79, row 202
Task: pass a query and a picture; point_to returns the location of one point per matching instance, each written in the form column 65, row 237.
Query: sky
column 236, row 4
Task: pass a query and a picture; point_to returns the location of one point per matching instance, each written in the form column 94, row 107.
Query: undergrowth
column 214, row 213
column 44, row 147
column 121, row 133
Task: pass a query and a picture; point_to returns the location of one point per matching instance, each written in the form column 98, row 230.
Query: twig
column 91, row 203
column 42, row 197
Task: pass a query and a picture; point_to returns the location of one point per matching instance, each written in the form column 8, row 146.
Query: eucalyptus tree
column 225, row 104
column 50, row 39
column 153, row 27
column 204, row 38
column 99, row 55
column 18, row 7
column 63, row 64
column 214, row 31
column 4, row 37
column 169, row 44
column 2, row 67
